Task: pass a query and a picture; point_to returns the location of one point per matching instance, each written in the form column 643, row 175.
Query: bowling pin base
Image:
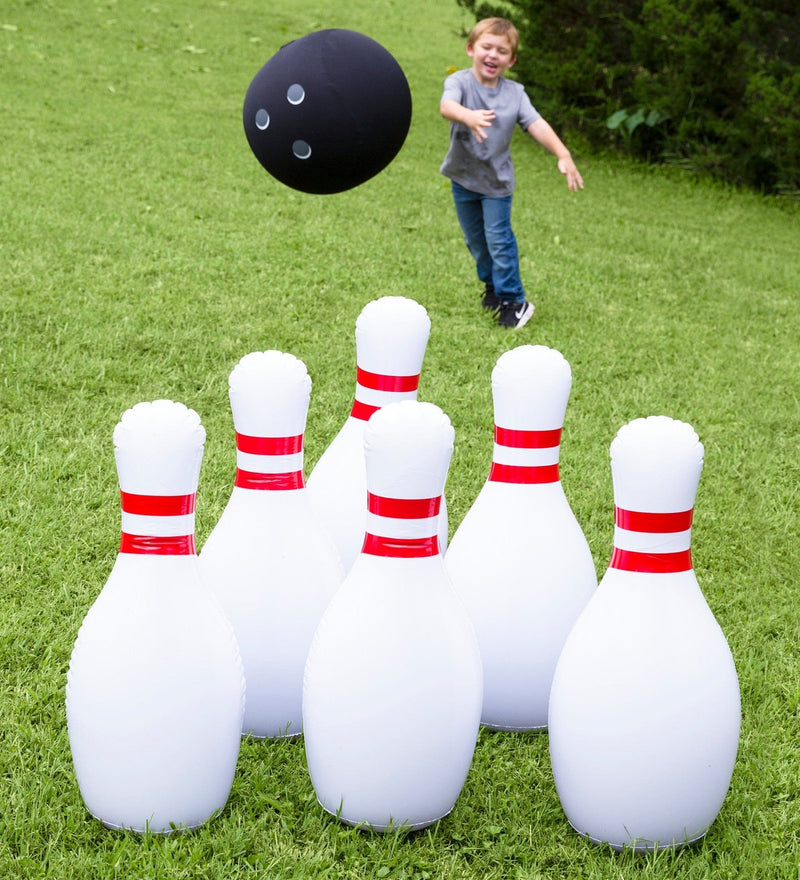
column 388, row 828
column 147, row 829
column 249, row 734
column 504, row 728
column 640, row 844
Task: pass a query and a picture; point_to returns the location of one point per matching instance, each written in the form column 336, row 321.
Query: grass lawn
column 143, row 251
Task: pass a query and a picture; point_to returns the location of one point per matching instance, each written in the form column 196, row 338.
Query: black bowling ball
column 327, row 111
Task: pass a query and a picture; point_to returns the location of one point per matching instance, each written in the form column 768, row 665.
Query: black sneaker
column 515, row 313
column 490, row 299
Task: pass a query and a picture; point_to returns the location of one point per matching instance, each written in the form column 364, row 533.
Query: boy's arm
column 475, row 120
column 541, row 131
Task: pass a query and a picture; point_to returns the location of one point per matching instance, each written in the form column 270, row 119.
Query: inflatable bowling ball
column 327, row 111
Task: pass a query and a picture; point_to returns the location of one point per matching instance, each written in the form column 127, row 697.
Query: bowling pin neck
column 269, row 463
column 402, row 528
column 656, row 543
column 161, row 525
column 655, row 467
column 158, row 447
column 376, row 390
column 525, row 456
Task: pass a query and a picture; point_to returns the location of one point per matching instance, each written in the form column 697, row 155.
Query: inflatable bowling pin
column 391, row 337
column 155, row 689
column 268, row 559
column 392, row 693
column 644, row 709
column 519, row 559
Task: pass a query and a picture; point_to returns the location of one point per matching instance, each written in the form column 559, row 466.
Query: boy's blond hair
column 498, row 27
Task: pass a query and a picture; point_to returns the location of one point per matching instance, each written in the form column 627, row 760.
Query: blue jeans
column 486, row 224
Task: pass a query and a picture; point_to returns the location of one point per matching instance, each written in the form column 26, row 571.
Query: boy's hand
column 540, row 130
column 568, row 168
column 477, row 121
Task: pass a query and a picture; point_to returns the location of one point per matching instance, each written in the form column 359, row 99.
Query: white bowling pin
column 519, row 559
column 155, row 688
column 644, row 709
column 392, row 693
column 391, row 337
column 269, row 560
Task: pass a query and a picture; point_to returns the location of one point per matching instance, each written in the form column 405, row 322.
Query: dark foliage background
column 711, row 85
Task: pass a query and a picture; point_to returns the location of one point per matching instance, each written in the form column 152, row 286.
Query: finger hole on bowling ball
column 295, row 94
column 301, row 149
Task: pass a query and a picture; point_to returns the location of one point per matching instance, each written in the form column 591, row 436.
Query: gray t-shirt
column 485, row 167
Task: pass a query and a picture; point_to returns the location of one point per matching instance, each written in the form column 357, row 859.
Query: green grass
column 143, row 251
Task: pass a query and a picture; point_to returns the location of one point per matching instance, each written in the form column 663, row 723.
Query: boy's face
column 491, row 57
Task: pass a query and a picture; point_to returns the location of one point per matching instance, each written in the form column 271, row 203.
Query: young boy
column 483, row 108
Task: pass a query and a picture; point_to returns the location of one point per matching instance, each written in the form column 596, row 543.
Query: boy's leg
column 502, row 246
column 470, row 218
column 514, row 310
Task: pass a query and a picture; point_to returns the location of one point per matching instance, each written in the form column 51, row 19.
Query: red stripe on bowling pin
column 404, row 508
column 664, row 528
column 380, row 382
column 164, row 513
column 511, row 473
column 527, row 439
column 417, row 518
column 362, row 411
column 177, row 545
column 265, row 451
column 507, row 438
column 269, row 445
column 388, row 387
column 158, row 505
column 269, row 482
column 636, row 521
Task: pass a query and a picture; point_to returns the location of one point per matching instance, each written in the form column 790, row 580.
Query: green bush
column 712, row 85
